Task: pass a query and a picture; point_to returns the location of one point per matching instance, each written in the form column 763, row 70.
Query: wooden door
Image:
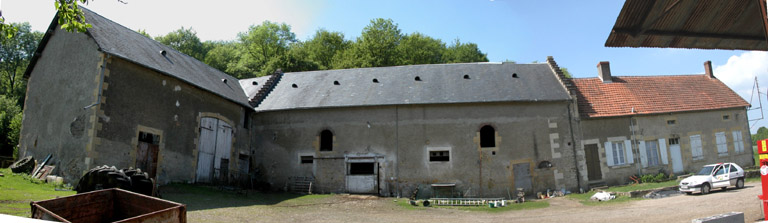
column 592, row 156
column 206, row 149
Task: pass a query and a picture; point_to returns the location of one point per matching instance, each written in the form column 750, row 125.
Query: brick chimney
column 708, row 70
column 604, row 71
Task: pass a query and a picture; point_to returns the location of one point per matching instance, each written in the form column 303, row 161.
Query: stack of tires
column 24, row 165
column 105, row 177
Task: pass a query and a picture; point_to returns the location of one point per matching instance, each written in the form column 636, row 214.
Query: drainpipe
column 397, row 152
column 573, row 147
column 101, row 81
column 632, row 144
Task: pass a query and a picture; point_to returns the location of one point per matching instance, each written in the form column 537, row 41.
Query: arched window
column 326, row 140
column 487, row 136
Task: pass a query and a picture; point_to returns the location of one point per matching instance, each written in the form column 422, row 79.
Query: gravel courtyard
column 234, row 207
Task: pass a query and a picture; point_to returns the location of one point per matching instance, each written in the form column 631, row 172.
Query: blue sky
column 574, row 32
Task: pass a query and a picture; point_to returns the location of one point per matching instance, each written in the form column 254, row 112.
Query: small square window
column 439, row 156
column 671, row 122
column 674, row 141
column 726, row 117
column 307, row 159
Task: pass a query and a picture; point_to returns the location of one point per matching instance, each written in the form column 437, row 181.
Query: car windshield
column 706, row 170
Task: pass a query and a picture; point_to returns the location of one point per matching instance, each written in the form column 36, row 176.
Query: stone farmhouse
column 483, row 129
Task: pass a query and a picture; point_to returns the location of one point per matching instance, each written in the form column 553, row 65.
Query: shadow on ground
column 198, row 197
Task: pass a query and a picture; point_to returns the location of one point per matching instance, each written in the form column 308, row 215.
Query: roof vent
column 336, row 83
column 295, row 86
column 224, row 80
column 466, row 76
column 255, row 83
column 417, row 78
column 514, row 75
column 162, row 52
column 375, row 80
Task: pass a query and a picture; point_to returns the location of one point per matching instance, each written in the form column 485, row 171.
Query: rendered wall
column 527, row 133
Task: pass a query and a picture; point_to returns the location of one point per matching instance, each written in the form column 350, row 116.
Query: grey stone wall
column 526, row 133
column 654, row 127
column 55, row 122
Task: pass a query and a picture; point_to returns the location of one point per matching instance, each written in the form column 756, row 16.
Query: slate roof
column 439, row 84
column 119, row 41
column 652, row 94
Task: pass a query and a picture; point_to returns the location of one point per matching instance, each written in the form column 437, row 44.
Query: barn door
column 522, row 176
column 214, row 148
column 223, row 149
column 206, row 149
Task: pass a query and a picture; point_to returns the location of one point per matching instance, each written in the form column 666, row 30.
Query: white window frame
column 738, row 142
column 652, row 152
column 619, row 157
column 722, row 144
column 696, row 152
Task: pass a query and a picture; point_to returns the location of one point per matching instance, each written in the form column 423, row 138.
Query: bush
column 653, row 178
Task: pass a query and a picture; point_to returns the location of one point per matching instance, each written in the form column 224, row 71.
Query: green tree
column 377, row 45
column 464, row 53
column 264, row 42
column 566, row 72
column 10, row 124
column 322, row 47
column 15, row 54
column 418, row 48
column 144, row 33
column 762, row 133
column 185, row 41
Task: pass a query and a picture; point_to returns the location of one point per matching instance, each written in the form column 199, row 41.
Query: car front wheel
column 705, row 189
column 740, row 183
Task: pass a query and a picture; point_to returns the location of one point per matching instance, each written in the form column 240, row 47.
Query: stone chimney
column 708, row 70
column 604, row 71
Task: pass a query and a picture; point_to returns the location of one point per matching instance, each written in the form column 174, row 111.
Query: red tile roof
column 652, row 94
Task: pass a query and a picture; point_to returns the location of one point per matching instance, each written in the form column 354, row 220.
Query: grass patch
column 510, row 206
column 752, row 179
column 17, row 190
column 642, row 186
column 204, row 197
column 584, row 199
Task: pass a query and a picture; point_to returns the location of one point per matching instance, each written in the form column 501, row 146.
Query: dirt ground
column 350, row 208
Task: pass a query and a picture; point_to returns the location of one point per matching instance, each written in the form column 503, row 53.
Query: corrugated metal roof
column 437, row 84
column 702, row 24
column 119, row 41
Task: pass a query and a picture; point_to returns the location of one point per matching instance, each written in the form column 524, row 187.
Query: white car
column 720, row 175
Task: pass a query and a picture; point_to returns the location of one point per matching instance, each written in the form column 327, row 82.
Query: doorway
column 674, row 152
column 592, row 155
column 146, row 153
column 214, row 150
column 362, row 175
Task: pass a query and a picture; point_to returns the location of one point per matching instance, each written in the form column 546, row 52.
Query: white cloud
column 739, row 74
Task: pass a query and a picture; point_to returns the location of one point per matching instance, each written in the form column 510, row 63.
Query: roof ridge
column 648, row 76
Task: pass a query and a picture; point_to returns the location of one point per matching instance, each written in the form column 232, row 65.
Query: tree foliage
column 269, row 46
column 15, row 53
column 762, row 133
column 185, row 41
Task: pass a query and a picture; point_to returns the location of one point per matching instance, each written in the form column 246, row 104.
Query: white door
column 721, row 177
column 223, row 148
column 214, row 146
column 677, row 159
column 206, row 149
